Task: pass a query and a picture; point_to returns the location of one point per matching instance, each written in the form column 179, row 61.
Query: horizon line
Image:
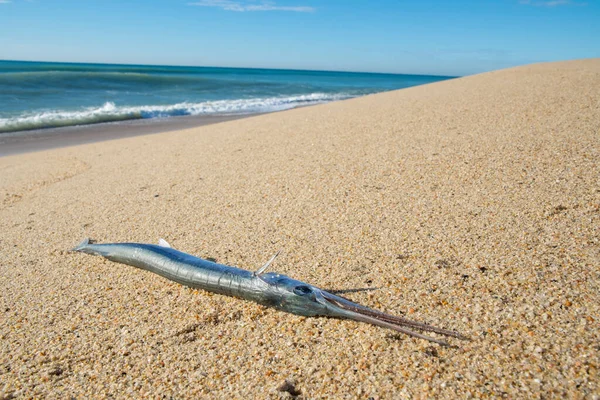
column 230, row 67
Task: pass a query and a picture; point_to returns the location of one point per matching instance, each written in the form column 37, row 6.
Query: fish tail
column 84, row 243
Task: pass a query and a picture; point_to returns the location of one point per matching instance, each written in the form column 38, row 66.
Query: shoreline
column 188, row 97
column 22, row 142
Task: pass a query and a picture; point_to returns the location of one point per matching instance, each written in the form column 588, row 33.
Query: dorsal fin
column 262, row 269
column 163, row 243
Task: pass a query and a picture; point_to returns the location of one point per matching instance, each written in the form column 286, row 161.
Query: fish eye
column 302, row 290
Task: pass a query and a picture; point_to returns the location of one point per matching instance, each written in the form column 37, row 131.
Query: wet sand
column 471, row 204
column 45, row 139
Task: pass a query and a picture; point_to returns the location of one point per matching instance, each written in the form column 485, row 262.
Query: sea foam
column 110, row 112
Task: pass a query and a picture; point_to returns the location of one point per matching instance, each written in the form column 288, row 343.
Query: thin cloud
column 552, row 3
column 241, row 6
column 4, row 1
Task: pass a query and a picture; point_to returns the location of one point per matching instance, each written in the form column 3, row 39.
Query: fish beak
column 346, row 309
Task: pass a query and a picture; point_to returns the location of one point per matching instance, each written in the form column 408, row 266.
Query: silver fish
column 269, row 289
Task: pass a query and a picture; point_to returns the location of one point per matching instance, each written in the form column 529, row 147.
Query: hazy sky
column 444, row 37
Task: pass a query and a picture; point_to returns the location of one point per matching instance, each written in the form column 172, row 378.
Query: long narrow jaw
column 344, row 308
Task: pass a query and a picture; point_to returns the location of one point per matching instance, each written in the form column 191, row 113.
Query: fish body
column 269, row 289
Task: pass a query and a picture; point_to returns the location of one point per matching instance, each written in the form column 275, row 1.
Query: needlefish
column 266, row 288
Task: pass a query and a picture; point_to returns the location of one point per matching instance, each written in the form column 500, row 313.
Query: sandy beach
column 471, row 204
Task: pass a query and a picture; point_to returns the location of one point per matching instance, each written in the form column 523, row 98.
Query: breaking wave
column 109, row 112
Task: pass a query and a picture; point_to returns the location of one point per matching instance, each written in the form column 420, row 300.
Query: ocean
column 36, row 95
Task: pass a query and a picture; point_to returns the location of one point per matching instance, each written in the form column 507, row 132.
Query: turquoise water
column 36, row 95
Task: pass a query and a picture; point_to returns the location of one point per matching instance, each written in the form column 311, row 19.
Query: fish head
column 301, row 298
column 295, row 296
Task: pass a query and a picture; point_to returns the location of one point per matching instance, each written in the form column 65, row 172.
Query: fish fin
column 262, row 269
column 81, row 245
column 163, row 243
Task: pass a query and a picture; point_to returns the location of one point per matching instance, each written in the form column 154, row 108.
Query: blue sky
column 442, row 37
